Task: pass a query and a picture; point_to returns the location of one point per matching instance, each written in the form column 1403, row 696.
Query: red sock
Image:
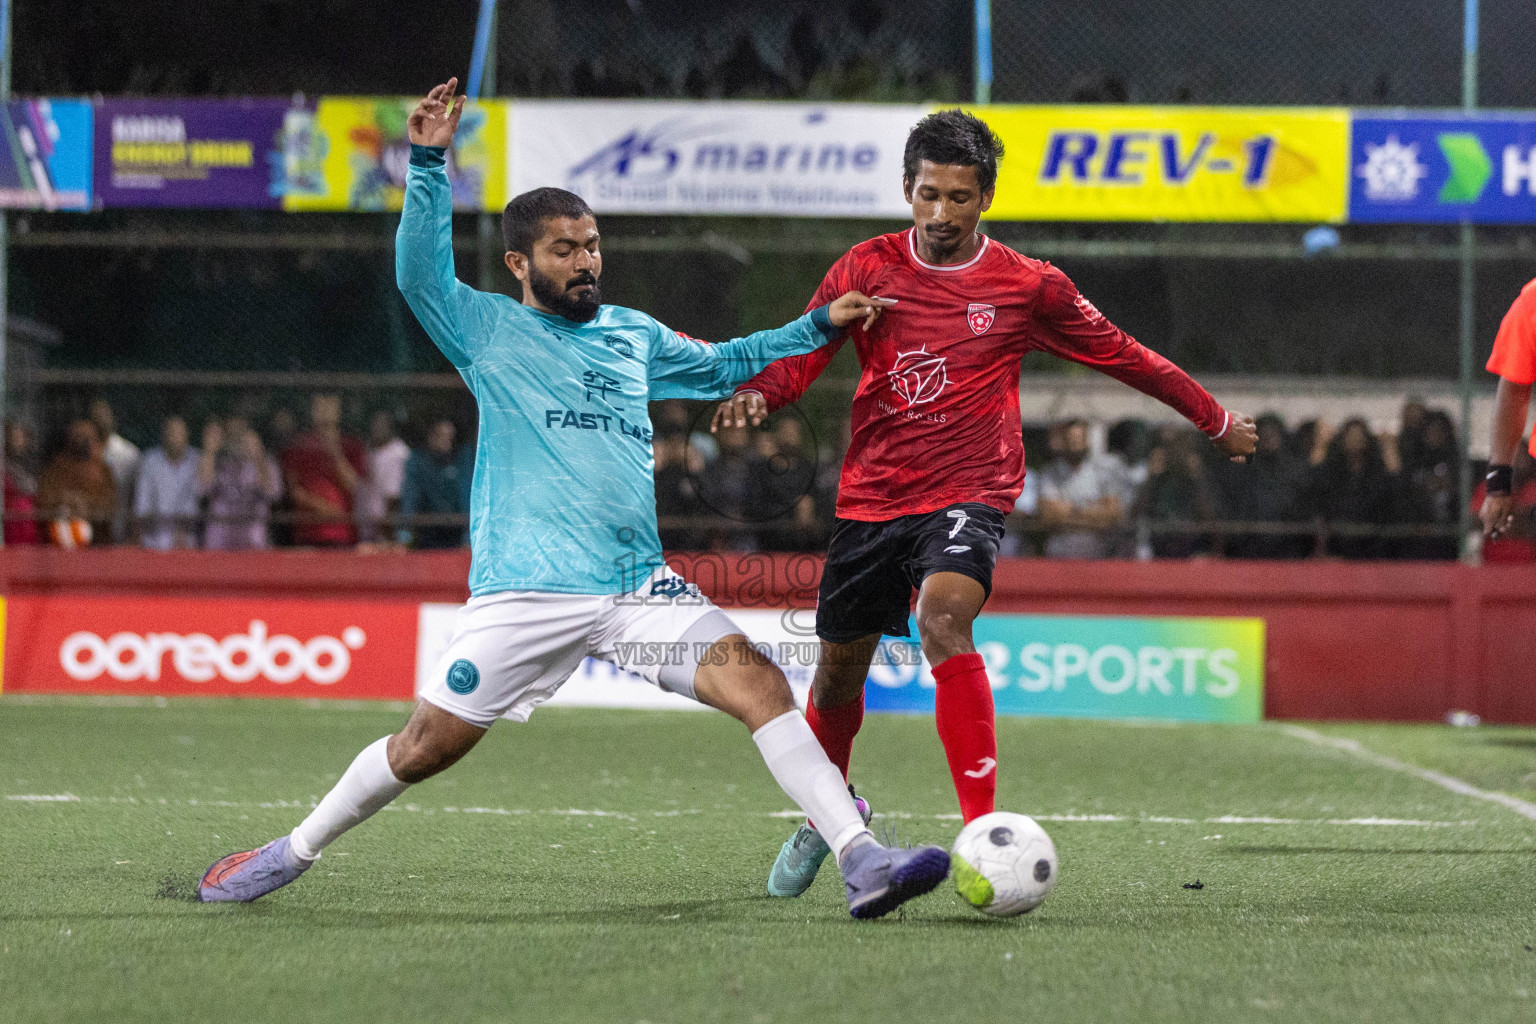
column 836, row 728
column 963, row 709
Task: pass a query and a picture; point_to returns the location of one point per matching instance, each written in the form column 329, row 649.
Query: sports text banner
column 1189, row 669
column 1109, row 163
column 48, row 161
column 353, row 153
column 193, row 153
column 1426, row 168
column 773, row 159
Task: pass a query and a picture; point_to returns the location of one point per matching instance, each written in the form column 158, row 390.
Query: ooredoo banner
column 779, row 159
column 237, row 647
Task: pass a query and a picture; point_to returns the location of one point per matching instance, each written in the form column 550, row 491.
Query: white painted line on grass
column 789, row 814
column 1524, row 808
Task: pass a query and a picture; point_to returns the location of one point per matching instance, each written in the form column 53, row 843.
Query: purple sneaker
column 880, row 879
column 251, row 874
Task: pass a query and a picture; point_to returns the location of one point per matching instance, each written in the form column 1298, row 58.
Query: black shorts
column 871, row 568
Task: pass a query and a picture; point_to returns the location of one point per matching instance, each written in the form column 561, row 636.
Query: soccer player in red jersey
column 1514, row 360
column 937, row 457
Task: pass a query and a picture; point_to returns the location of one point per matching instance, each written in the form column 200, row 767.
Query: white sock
column 801, row 768
column 364, row 788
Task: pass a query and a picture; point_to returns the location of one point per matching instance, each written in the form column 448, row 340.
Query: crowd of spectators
column 243, row 488
column 1163, row 492
column 1316, row 490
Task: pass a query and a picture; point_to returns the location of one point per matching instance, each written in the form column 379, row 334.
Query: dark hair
column 954, row 137
column 522, row 222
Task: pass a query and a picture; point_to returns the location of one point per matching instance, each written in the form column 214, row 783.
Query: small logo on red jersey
column 980, row 316
column 1088, row 309
column 918, row 377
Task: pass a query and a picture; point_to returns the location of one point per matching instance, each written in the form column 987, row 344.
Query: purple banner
column 191, row 153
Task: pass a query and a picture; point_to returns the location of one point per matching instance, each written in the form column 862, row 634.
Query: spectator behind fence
column 437, row 482
column 1269, row 489
column 1352, row 483
column 165, row 500
column 787, row 481
column 322, row 468
column 241, row 482
column 1082, row 497
column 123, row 457
column 378, row 496
column 77, row 485
column 20, row 486
column 728, row 489
column 1177, row 490
column 678, row 465
column 1431, row 487
column 1515, row 543
column 1412, row 422
column 280, row 431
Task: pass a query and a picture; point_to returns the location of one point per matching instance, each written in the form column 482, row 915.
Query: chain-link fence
column 212, row 315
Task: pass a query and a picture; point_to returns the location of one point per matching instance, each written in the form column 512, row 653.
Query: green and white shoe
column 801, row 855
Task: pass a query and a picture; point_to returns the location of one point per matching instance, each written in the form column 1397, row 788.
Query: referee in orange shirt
column 1514, row 360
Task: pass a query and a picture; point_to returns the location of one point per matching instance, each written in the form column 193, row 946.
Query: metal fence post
column 1468, row 286
column 983, row 51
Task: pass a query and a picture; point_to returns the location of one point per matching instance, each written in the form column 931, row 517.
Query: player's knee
column 945, row 632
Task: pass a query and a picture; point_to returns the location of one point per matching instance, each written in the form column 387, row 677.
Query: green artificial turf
column 609, row 866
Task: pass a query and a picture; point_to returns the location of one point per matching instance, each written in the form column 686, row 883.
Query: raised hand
column 850, row 306
column 1241, row 438
column 436, row 117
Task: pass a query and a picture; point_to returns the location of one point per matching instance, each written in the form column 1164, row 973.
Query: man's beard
column 558, row 299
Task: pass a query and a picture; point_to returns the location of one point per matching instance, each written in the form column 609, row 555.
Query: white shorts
column 511, row 651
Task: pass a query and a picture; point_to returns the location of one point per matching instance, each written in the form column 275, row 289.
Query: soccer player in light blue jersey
column 566, row 559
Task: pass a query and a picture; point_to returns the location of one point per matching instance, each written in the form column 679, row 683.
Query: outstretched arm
column 424, row 243
column 1070, row 327
column 681, row 367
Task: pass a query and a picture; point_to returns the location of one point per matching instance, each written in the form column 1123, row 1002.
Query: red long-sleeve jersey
column 936, row 414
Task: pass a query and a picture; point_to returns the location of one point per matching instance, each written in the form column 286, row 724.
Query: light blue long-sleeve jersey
column 564, row 495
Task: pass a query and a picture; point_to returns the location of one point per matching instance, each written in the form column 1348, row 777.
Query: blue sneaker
column 251, row 874
column 801, row 855
column 880, row 879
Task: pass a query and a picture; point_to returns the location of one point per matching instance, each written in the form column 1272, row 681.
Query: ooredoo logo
column 199, row 658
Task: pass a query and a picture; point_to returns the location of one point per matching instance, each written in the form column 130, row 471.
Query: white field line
column 790, row 814
column 1524, row 808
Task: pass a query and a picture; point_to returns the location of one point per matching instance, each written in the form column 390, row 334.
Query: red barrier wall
column 1391, row 641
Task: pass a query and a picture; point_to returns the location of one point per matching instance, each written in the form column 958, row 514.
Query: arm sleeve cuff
column 1226, row 421
column 428, row 156
column 823, row 321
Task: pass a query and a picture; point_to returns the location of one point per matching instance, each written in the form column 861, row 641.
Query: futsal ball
column 70, row 533
column 1005, row 864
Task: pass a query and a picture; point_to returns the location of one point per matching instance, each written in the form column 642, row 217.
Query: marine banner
column 771, row 159
column 352, row 154
column 48, row 155
column 1112, row 163
column 193, row 153
column 1423, row 167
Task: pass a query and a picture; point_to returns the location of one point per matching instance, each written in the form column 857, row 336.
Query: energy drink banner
column 1189, row 669
column 1426, row 168
column 771, row 159
column 353, row 155
column 1108, row 163
column 47, row 162
column 193, row 153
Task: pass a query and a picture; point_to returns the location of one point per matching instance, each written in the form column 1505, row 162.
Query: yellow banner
column 354, row 153
column 1102, row 163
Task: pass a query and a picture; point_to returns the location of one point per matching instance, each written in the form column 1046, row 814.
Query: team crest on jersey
column 918, row 376
column 980, row 316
